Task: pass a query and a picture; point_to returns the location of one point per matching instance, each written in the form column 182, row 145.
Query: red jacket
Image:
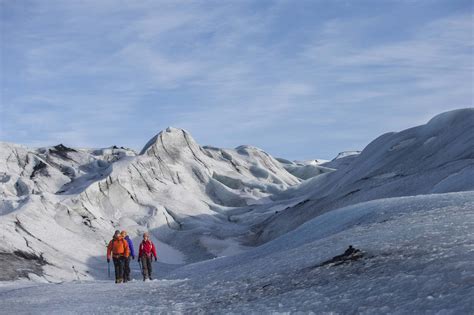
column 147, row 248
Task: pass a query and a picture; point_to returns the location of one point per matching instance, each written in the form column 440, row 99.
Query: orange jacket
column 118, row 247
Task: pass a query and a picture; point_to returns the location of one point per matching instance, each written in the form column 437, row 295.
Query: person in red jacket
column 146, row 252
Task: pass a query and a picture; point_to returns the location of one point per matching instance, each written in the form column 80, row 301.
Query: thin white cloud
column 241, row 77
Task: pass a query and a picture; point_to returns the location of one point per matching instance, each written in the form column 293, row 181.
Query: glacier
column 238, row 230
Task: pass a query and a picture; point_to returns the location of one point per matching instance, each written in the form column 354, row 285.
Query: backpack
column 121, row 240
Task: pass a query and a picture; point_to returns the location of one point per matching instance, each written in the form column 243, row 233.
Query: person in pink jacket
column 146, row 252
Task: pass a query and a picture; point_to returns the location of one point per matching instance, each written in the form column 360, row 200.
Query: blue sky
column 300, row 79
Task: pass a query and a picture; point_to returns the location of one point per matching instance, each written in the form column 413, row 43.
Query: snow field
column 418, row 258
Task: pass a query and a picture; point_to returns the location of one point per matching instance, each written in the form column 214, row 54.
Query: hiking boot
column 150, row 278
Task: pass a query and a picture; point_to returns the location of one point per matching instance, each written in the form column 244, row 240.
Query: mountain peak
column 170, row 139
column 171, row 129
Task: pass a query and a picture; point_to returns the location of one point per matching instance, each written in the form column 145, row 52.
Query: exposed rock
column 350, row 254
column 20, row 264
column 39, row 168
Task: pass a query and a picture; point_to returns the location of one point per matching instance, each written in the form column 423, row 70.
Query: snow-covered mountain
column 434, row 158
column 59, row 206
column 58, row 199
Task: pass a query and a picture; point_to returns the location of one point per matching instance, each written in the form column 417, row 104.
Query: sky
column 299, row 79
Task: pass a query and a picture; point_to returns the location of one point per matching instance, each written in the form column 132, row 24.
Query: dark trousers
column 146, row 267
column 126, row 269
column 119, row 264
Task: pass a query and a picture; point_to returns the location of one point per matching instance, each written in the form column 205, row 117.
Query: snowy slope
column 343, row 159
column 305, row 169
column 433, row 158
column 417, row 258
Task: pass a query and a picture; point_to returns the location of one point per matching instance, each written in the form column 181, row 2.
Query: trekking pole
column 108, row 268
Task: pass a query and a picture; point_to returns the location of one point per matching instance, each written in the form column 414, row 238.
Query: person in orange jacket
column 119, row 251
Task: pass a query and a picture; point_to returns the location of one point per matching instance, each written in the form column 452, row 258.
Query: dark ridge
column 61, row 150
column 87, row 222
column 350, row 254
column 20, row 264
column 352, row 192
column 31, row 256
column 40, row 168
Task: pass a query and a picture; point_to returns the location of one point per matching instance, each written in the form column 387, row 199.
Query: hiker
column 126, row 270
column 146, row 252
column 118, row 249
